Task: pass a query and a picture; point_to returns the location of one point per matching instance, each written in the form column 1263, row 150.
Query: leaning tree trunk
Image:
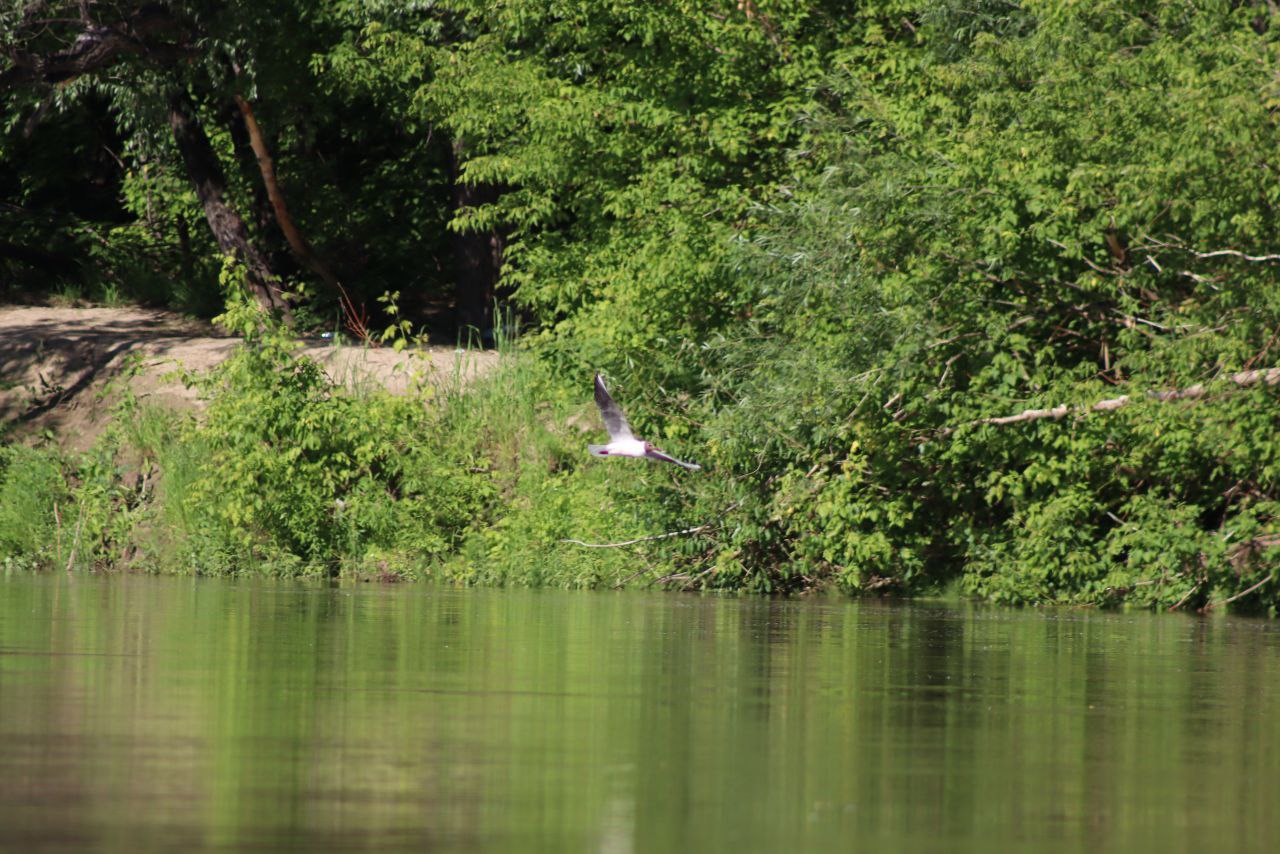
column 477, row 255
column 301, row 247
column 210, row 184
column 261, row 213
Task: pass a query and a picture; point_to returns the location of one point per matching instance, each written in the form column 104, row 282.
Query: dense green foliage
column 954, row 264
column 817, row 249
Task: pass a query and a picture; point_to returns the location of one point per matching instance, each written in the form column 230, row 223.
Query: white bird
column 622, row 442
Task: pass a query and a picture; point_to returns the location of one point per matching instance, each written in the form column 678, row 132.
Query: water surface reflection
column 209, row 713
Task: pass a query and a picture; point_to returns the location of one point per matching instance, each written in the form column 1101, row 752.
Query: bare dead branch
column 1199, row 279
column 683, row 576
column 947, row 368
column 633, row 576
column 1241, row 379
column 1130, row 320
column 1175, row 243
column 697, row 529
column 1236, row 254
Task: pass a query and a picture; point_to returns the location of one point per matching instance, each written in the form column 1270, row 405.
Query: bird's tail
column 597, row 450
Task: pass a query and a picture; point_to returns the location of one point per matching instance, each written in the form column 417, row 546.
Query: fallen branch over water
column 1240, row 595
column 683, row 576
column 1242, row 379
column 1238, row 555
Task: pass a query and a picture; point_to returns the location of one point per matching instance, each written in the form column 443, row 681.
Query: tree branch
column 1242, row 379
column 1149, row 242
column 95, row 47
column 1236, row 254
column 695, row 530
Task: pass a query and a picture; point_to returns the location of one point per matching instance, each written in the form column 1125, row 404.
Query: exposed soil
column 57, row 364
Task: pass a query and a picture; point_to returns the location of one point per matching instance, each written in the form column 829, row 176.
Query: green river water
column 141, row 713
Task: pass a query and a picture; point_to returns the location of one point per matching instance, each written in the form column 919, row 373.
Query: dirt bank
column 57, row 364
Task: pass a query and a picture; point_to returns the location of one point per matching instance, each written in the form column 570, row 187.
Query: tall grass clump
column 288, row 472
column 65, row 510
column 31, row 486
column 528, row 429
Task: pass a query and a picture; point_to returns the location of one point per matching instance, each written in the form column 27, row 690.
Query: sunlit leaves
column 1010, row 219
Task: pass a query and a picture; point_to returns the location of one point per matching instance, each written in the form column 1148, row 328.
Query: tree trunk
column 210, row 184
column 260, row 212
column 297, row 242
column 477, row 255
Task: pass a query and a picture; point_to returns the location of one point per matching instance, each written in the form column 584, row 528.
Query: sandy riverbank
column 57, row 364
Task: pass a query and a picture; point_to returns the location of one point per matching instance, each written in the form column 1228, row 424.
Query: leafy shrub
column 299, row 468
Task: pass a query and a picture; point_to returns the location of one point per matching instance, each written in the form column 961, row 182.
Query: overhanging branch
column 95, row 47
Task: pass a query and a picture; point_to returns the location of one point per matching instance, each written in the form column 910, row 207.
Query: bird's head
column 648, row 446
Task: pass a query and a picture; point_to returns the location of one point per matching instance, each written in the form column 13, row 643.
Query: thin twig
column 1199, row 279
column 1149, row 242
column 683, row 576
column 947, row 369
column 357, row 322
column 1130, row 319
column 75, row 543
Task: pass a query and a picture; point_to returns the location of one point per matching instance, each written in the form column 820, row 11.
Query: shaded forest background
column 975, row 295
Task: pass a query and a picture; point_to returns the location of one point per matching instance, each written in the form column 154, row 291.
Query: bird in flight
column 622, row 442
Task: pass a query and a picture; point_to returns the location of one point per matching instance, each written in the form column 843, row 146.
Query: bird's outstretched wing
column 655, row 454
column 614, row 421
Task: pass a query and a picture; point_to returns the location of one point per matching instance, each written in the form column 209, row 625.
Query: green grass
column 288, row 471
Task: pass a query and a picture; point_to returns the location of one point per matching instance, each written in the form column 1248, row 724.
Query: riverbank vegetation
column 974, row 295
